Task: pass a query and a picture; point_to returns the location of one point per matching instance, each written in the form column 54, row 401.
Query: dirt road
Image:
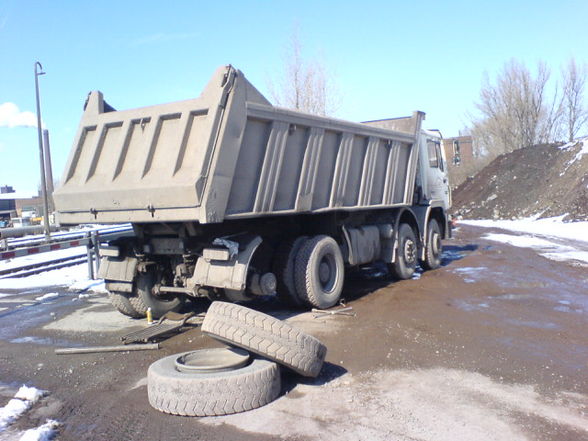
column 492, row 346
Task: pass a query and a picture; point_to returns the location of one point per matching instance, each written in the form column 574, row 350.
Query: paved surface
column 491, row 346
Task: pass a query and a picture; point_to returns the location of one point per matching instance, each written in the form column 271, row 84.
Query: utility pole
column 41, row 153
column 48, row 169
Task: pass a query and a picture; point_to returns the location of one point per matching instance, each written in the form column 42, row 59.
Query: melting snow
column 546, row 248
column 552, row 226
column 47, row 296
column 74, row 277
column 22, row 401
column 45, row 432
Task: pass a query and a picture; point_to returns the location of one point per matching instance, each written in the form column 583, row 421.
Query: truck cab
column 432, row 177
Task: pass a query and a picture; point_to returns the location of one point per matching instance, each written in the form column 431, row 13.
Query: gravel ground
column 491, row 346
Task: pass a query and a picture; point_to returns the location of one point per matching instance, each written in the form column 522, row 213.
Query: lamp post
column 38, row 72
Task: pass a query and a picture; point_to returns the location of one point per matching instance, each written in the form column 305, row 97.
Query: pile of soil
column 541, row 181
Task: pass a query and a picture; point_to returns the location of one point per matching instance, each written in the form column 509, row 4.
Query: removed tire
column 144, row 297
column 190, row 392
column 319, row 272
column 284, row 262
column 406, row 257
column 434, row 246
column 264, row 335
column 120, row 300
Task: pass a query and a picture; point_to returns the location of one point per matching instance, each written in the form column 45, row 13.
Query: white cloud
column 11, row 116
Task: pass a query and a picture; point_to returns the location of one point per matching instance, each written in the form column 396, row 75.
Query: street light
column 41, row 154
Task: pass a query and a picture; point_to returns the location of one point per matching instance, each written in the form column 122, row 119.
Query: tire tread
column 265, row 336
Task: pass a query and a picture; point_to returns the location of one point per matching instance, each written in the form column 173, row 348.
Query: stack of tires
column 232, row 380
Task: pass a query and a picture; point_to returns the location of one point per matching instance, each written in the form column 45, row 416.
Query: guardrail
column 91, row 240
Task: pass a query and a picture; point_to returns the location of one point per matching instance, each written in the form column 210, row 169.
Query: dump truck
column 232, row 198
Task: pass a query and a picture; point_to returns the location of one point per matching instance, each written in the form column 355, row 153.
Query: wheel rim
column 409, row 251
column 436, row 243
column 327, row 272
column 212, row 360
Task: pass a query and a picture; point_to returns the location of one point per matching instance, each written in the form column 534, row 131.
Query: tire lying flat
column 211, row 394
column 265, row 336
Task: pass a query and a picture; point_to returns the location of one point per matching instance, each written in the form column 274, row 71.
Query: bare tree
column 515, row 111
column 575, row 112
column 305, row 84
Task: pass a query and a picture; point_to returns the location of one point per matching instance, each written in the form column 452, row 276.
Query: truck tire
column 433, row 247
column 120, row 300
column 319, row 272
column 145, row 298
column 266, row 336
column 284, row 261
column 406, row 257
column 214, row 393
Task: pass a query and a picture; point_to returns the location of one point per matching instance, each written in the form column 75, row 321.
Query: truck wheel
column 145, row 298
column 266, row 336
column 284, row 270
column 211, row 393
column 434, row 247
column 120, row 300
column 319, row 272
column 406, row 258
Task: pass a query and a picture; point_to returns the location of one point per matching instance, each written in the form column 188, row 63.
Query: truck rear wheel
column 433, row 247
column 120, row 300
column 145, row 298
column 284, row 262
column 319, row 272
column 406, row 257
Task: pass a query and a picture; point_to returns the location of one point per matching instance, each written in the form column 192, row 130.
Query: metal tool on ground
column 169, row 323
column 343, row 311
column 119, row 348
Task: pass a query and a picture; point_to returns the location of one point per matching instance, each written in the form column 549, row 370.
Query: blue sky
column 389, row 58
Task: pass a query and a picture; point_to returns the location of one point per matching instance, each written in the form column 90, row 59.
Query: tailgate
column 141, row 160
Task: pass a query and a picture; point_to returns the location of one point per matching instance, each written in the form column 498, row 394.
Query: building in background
column 19, row 208
column 7, row 205
column 461, row 162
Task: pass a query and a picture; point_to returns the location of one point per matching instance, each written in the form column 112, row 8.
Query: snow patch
column 521, row 241
column 583, row 150
column 75, row 278
column 24, row 398
column 31, row 394
column 550, row 227
column 46, row 432
column 47, row 296
column 546, row 248
column 42, row 257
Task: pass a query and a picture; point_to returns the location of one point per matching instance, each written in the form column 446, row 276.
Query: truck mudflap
column 227, row 271
column 119, row 270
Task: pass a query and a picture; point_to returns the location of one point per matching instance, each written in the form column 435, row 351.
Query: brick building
column 461, row 163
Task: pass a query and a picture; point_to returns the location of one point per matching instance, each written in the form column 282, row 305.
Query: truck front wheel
column 319, row 272
column 406, row 257
column 433, row 247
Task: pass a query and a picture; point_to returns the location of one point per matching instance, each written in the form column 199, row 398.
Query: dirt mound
column 542, row 181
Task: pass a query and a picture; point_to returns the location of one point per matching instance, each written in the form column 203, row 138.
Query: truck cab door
column 436, row 173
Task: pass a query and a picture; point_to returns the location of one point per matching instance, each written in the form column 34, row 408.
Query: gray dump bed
column 230, row 154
